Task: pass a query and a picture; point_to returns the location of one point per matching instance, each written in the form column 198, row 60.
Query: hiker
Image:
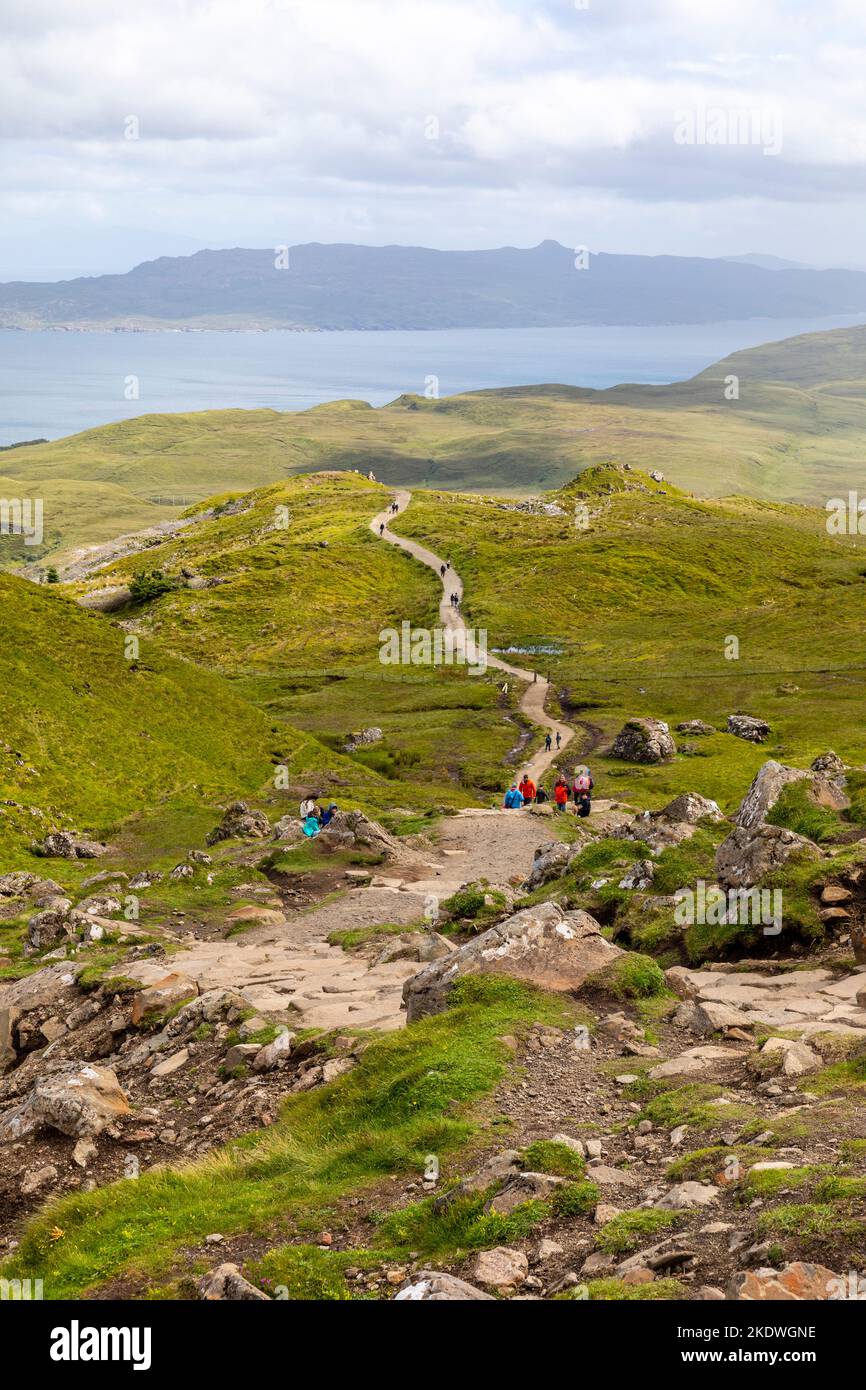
column 311, row 825
column 513, row 799
column 441, row 571
column 381, row 528
column 540, row 796
column 308, row 805
column 558, row 739
column 548, row 743
column 328, row 814
column 583, row 785
column 527, row 788
column 560, row 794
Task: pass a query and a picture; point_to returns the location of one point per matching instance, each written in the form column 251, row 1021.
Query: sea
column 57, row 383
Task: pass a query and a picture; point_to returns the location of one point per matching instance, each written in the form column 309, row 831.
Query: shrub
column 148, row 585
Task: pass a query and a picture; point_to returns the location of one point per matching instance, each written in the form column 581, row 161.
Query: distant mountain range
column 316, row 286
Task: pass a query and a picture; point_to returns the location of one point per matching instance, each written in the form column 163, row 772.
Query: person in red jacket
column 560, row 794
column 527, row 789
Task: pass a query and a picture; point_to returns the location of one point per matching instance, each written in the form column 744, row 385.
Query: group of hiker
column 455, row 600
column 526, row 793
column 313, row 818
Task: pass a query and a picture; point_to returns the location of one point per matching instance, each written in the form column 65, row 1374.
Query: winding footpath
column 535, row 696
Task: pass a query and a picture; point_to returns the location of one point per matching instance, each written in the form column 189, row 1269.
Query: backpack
column 583, row 782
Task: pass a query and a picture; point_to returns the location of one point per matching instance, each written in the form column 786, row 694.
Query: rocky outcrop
column 747, row 727
column 550, row 861
column 354, row 830
column 240, row 823
column 227, row 1282
column 769, row 783
column 79, row 1100
column 542, row 945
column 644, row 741
column 794, row 1283
column 696, row 727
column 829, row 763
column 692, row 808
column 748, row 855
column 64, row 844
column 362, row 738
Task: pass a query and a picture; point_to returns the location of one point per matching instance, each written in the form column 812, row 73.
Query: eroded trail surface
column 292, row 964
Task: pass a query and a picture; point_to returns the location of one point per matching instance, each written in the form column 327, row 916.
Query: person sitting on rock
column 540, row 796
column 311, row 825
column 583, row 785
column 328, row 814
column 513, row 798
column 308, row 805
column 527, row 788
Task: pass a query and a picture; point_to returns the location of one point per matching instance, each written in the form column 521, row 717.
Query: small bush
column 631, row 976
column 148, row 585
column 546, row 1156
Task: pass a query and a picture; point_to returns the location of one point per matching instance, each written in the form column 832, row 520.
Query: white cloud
column 322, row 106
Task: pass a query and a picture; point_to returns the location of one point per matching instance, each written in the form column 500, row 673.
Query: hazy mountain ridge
column 407, row 287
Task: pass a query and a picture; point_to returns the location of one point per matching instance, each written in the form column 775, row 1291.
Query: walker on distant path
column 534, row 697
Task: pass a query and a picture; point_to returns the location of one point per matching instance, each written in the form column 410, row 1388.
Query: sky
column 684, row 127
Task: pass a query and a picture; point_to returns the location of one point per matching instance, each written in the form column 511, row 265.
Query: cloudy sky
column 693, row 127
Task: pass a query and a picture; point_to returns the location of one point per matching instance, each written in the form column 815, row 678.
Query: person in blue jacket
column 328, row 814
column 513, row 797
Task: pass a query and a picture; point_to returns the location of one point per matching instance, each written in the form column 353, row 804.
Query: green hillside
column 631, row 616
column 797, row 432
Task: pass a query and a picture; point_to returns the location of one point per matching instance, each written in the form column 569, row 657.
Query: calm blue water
column 53, row 384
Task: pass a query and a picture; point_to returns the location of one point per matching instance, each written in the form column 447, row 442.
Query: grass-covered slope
column 795, row 432
column 639, row 607
column 89, row 737
column 304, row 592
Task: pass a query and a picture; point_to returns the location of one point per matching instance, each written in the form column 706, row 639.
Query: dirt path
column 535, row 696
column 291, row 965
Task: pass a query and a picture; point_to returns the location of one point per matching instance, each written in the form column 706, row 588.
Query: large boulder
column 542, row 945
column 797, row 1282
column 829, row 763
column 434, row 1286
column 644, row 741
column 240, row 823
column 289, row 830
column 227, row 1283
column 747, row 727
column 765, row 791
column 57, row 922
column 64, row 844
column 691, row 808
column 80, row 1100
column 748, row 855
column 550, row 861
column 354, row 830
column 769, row 783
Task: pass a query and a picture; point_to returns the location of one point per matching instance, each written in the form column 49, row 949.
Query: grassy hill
column 630, row 616
column 796, row 432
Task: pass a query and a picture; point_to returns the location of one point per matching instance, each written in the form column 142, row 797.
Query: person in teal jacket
column 311, row 825
column 513, row 797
